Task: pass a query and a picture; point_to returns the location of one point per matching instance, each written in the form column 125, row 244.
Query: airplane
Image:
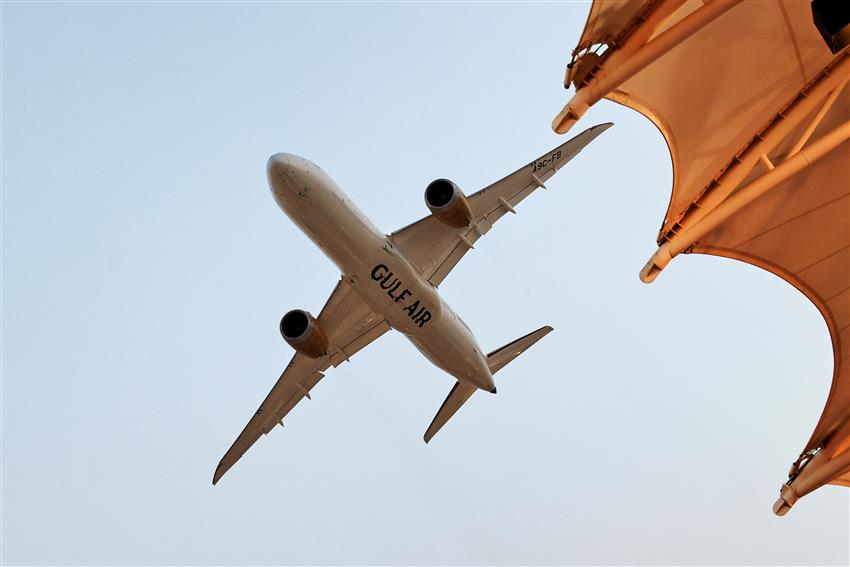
column 390, row 282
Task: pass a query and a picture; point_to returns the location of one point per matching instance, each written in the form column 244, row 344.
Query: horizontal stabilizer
column 500, row 357
column 496, row 360
column 456, row 398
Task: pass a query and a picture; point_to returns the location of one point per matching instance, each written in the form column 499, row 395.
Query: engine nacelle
column 302, row 332
column 448, row 203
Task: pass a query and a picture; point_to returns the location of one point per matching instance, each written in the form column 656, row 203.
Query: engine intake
column 448, row 203
column 302, row 332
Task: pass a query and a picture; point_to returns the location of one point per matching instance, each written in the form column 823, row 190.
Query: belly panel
column 392, row 287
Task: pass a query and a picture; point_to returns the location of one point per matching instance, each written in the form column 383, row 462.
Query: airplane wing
column 436, row 247
column 350, row 325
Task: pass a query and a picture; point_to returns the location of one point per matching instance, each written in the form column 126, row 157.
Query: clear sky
column 145, row 267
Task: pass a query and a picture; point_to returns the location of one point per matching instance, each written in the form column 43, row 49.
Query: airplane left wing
column 350, row 325
column 435, row 247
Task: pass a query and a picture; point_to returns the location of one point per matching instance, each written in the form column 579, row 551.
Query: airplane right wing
column 436, row 248
column 349, row 325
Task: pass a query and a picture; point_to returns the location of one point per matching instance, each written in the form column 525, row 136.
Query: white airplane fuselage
column 376, row 271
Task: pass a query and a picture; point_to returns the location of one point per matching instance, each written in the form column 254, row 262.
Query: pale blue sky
column 145, row 268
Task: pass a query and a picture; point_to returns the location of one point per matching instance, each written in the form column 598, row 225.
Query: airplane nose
column 281, row 173
column 278, row 164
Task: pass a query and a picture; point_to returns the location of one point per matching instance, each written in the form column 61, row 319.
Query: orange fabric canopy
column 755, row 109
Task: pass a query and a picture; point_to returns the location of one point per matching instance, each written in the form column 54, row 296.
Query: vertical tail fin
column 496, row 360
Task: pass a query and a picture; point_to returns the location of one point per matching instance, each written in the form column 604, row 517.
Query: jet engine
column 448, row 203
column 302, row 332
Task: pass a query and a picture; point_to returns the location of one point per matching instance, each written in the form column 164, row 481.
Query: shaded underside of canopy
column 747, row 91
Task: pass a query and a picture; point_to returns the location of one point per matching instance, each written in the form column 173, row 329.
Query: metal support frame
column 714, row 205
column 831, row 461
column 624, row 59
column 746, row 195
column 629, row 60
column 816, row 120
column 634, row 35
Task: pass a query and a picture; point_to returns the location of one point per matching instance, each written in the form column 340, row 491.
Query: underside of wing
column 436, row 248
column 350, row 325
column 301, row 374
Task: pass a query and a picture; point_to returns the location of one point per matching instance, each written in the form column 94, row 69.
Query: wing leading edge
column 436, row 248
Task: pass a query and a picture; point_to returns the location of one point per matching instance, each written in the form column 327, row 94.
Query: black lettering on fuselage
column 391, row 283
column 377, row 273
column 412, row 308
column 424, row 318
column 386, row 283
